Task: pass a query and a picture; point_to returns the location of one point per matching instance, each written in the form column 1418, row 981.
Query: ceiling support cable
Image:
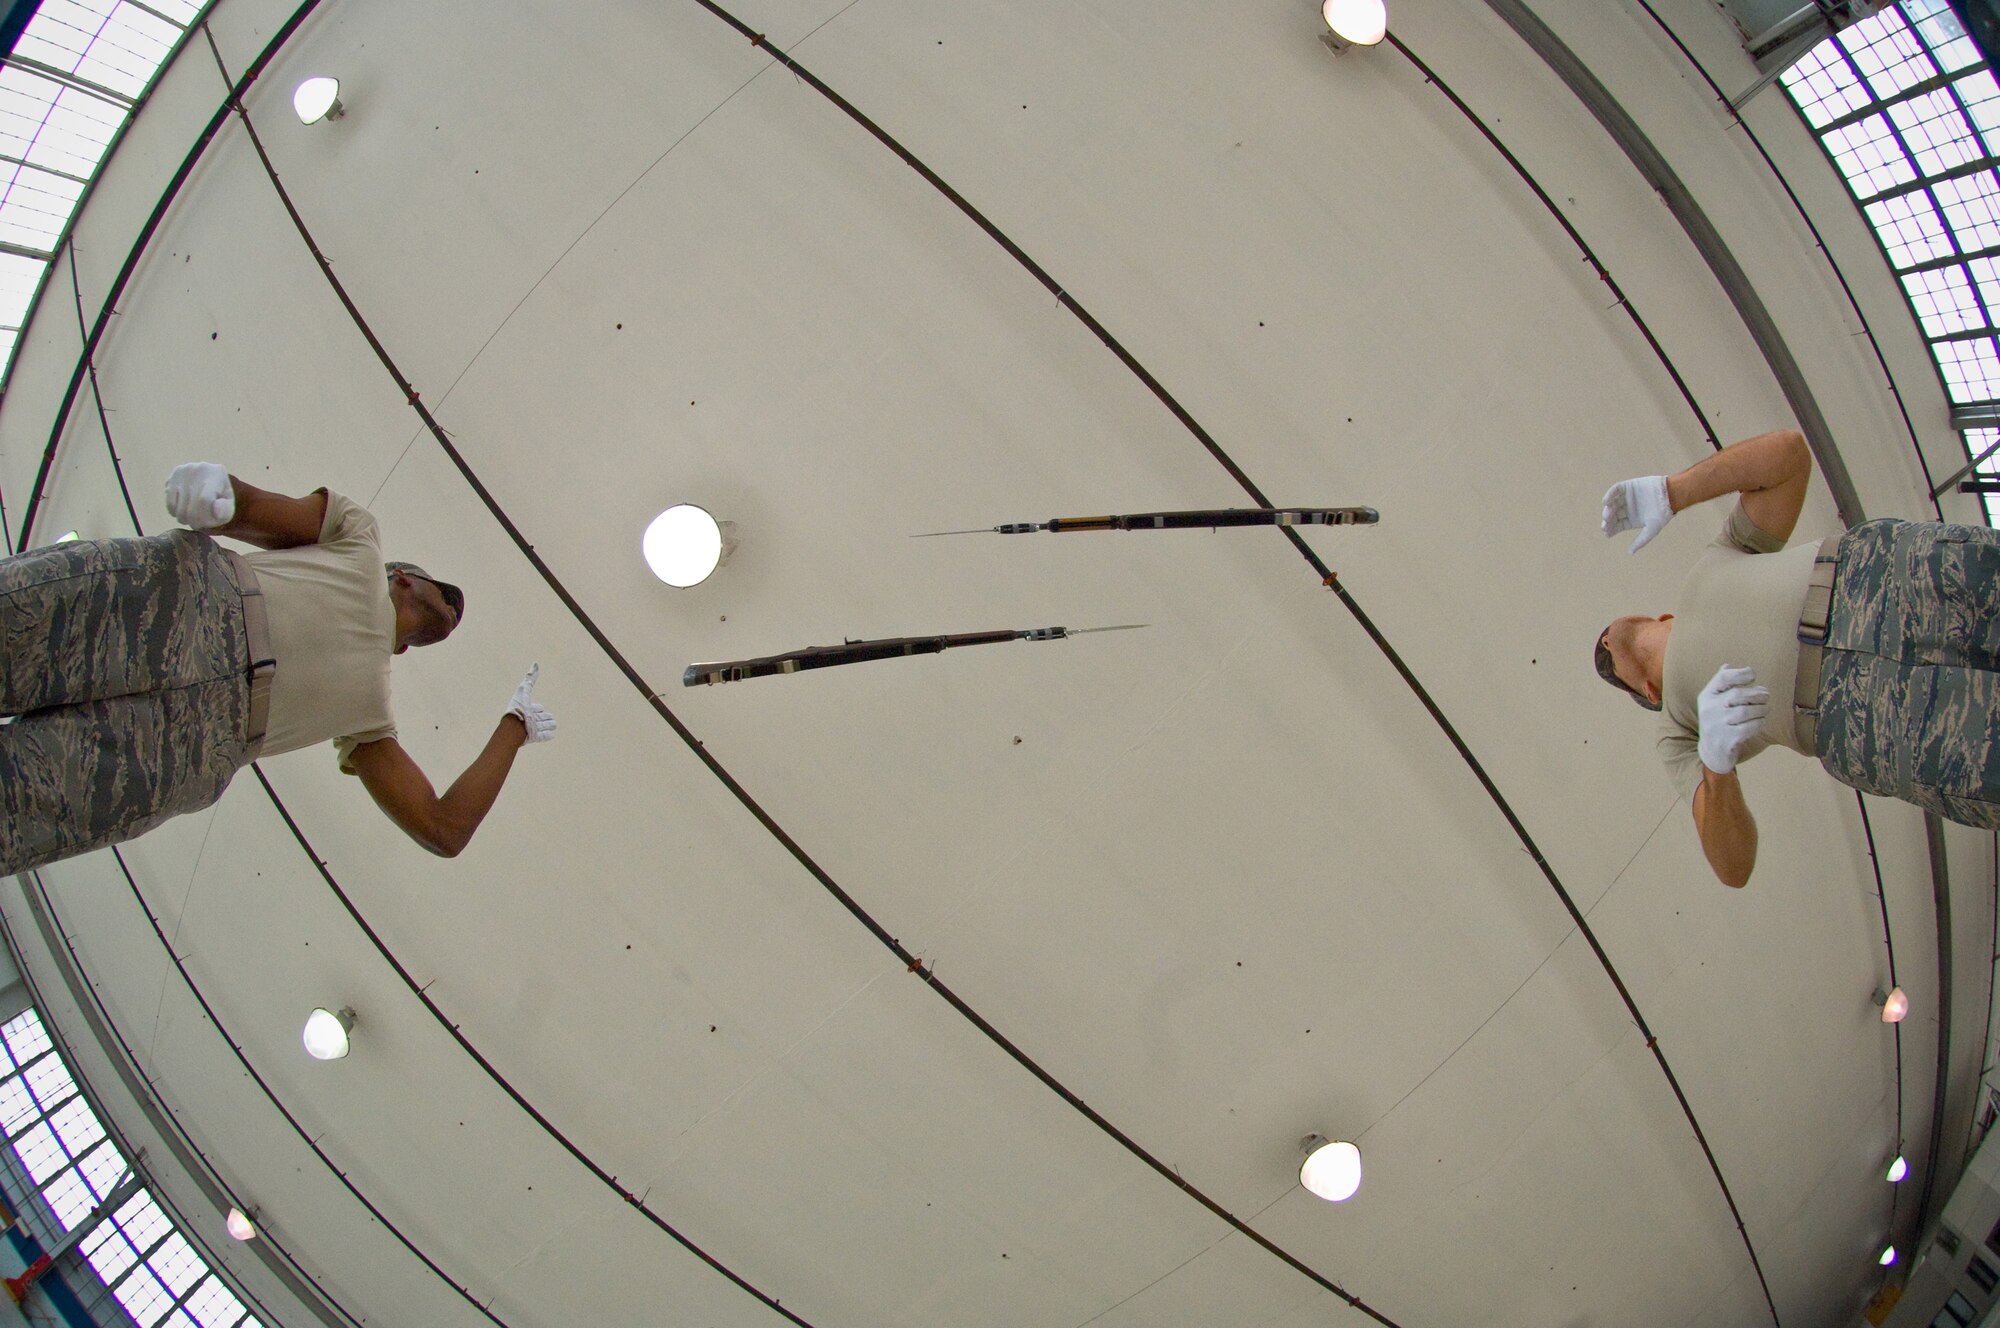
column 97, row 397
column 913, row 962
column 138, row 250
column 1569, row 229
column 1327, row 576
column 179, row 1142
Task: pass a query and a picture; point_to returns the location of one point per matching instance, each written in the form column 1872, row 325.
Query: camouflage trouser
column 125, row 662
column 1910, row 682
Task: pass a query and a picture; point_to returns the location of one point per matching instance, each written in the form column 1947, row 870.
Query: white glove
column 541, row 725
column 199, row 496
column 1732, row 711
column 1639, row 504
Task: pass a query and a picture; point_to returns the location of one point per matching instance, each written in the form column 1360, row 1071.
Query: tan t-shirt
column 1739, row 606
column 333, row 631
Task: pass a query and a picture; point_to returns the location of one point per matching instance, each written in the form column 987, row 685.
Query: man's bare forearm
column 273, row 521
column 1755, row 464
column 1728, row 831
column 465, row 804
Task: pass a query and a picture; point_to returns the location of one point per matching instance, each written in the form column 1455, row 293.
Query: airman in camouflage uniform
column 1878, row 651
column 1910, row 683
column 126, row 667
column 138, row 675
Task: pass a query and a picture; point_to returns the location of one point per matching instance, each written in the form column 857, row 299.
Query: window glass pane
column 1824, row 86
column 213, row 1305
column 24, row 1034
column 108, row 1252
column 1971, row 369
column 1981, row 95
column 1977, row 441
column 1936, row 133
column 1887, row 53
column 142, row 1221
column 1971, row 206
column 103, row 1169
column 70, row 1198
column 1869, row 156
column 19, row 279
column 41, row 1153
column 114, row 45
column 1944, row 301
column 176, row 1264
column 17, row 1107
column 1942, row 32
column 143, row 1297
column 77, row 1126
column 1910, row 229
column 49, row 1079
column 75, row 134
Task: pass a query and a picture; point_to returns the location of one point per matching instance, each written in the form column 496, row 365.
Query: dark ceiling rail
column 1327, row 577
column 207, row 1176
column 913, row 962
column 110, row 306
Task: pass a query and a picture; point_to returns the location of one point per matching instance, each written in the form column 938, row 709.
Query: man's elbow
column 1734, row 878
column 1799, row 450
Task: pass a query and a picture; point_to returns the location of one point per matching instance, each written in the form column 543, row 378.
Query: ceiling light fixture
column 1354, row 23
column 1894, row 1005
column 684, row 544
column 326, row 1033
column 1332, row 1170
column 318, row 99
column 1888, row 1256
column 240, row 1226
column 68, row 537
column 1898, row 1169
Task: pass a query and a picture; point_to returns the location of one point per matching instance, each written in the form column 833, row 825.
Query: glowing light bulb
column 1331, row 1170
column 241, row 1227
column 326, row 1033
column 1895, row 1006
column 1888, row 1256
column 1897, row 1170
column 1362, row 22
column 682, row 545
column 318, row 99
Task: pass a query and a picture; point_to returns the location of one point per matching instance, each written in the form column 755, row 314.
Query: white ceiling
column 1224, row 879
